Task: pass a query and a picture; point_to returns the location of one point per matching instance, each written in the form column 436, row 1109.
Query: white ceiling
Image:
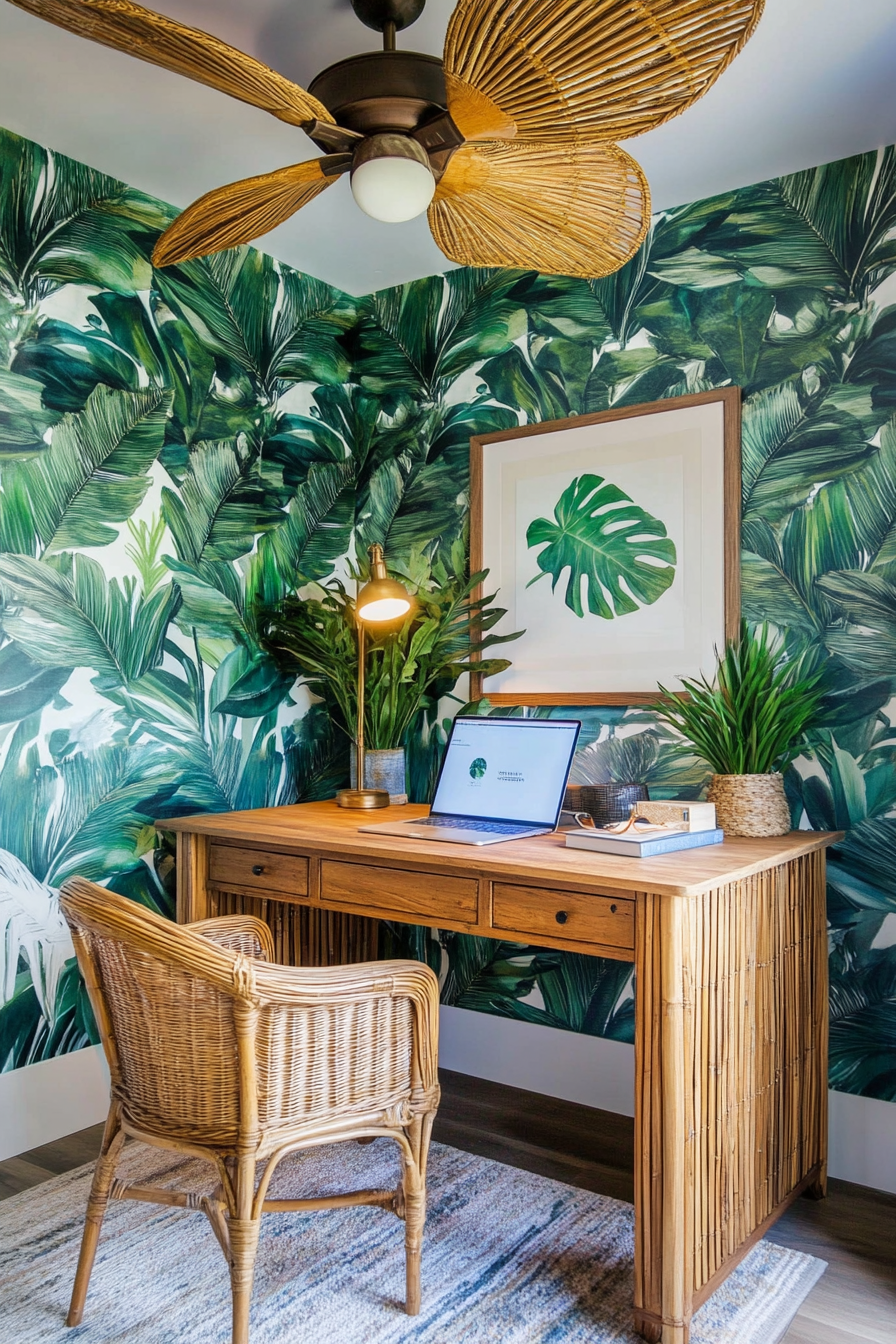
column 817, row 82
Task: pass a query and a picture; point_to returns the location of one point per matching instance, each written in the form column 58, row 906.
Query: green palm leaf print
column 606, row 541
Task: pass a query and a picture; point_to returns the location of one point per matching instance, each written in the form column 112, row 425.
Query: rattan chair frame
column 167, row 997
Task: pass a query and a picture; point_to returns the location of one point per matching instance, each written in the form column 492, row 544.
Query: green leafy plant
column 752, row 718
column 601, row 535
column 410, row 667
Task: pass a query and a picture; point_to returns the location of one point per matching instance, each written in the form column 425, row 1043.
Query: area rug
column 508, row 1258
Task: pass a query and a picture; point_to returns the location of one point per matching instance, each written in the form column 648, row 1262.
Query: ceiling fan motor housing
column 382, row 91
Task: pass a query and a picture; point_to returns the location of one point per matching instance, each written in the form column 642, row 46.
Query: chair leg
column 415, row 1217
column 103, row 1176
column 244, row 1230
column 414, row 1198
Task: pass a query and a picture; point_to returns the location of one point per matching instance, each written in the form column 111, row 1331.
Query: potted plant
column 748, row 725
column 409, row 666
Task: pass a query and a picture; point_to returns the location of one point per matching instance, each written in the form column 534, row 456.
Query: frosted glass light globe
column 391, row 177
column 393, row 189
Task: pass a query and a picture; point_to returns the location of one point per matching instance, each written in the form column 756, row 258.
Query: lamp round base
column 362, row 798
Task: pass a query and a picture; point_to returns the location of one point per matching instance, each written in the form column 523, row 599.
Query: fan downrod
column 388, row 16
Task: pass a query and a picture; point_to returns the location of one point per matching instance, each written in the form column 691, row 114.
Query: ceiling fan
column 509, row 141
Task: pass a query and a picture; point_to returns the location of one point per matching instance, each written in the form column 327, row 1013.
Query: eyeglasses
column 634, row 823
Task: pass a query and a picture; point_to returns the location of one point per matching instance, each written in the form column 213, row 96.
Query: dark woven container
column 611, row 802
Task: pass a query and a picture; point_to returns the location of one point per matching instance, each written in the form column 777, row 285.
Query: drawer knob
column 612, row 909
column 258, row 869
column 561, row 916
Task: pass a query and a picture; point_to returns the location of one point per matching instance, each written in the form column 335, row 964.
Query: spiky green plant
column 752, row 718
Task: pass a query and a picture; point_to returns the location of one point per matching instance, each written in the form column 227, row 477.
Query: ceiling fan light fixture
column 391, row 178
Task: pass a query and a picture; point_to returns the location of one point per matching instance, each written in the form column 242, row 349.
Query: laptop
column 501, row 779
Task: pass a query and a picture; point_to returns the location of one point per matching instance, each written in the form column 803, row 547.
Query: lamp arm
column 359, row 739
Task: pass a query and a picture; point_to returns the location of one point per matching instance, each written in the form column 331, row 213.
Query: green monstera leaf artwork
column 607, row 542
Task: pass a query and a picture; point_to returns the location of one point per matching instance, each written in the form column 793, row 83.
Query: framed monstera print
column 614, row 542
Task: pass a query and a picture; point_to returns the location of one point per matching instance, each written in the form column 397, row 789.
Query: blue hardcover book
column 643, row 846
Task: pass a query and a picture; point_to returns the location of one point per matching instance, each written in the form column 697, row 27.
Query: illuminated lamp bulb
column 382, row 598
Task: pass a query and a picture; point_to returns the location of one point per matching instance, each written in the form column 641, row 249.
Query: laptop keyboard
column 489, row 827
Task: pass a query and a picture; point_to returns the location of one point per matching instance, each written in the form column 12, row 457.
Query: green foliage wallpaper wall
column 176, row 446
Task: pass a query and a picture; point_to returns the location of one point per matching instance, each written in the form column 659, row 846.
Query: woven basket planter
column 750, row 804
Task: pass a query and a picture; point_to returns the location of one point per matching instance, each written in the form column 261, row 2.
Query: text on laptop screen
column 509, row 770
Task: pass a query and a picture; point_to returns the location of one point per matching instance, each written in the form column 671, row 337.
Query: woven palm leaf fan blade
column 558, row 209
column 186, row 51
column 586, row 70
column 242, row 211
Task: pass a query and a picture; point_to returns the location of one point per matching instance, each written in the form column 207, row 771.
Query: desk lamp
column 381, row 601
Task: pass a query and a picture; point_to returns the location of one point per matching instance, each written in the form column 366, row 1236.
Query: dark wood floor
column 854, row 1229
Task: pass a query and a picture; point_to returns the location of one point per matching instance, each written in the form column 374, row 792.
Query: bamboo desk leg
column 731, row 1069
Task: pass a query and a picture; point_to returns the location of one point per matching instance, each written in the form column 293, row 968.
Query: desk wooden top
column 327, row 829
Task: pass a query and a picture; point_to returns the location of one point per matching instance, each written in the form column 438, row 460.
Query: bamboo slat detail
column 738, row 1104
column 562, row 209
column 304, row 935
column 186, row 51
column 588, row 69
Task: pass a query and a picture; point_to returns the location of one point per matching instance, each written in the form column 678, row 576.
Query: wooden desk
column 730, row 951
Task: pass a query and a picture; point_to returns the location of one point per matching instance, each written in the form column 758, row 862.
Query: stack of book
column 681, row 826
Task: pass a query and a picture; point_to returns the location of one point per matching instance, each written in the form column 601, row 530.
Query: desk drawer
column 231, row 865
column 574, row 916
column 398, row 894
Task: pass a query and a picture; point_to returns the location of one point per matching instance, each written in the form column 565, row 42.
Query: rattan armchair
column 216, row 1053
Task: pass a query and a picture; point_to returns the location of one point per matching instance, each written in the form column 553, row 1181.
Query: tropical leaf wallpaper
column 177, row 446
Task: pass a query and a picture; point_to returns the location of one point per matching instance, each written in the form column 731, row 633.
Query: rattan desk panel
column 730, row 951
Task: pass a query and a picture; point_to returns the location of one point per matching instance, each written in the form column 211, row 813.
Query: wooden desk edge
column 505, row 861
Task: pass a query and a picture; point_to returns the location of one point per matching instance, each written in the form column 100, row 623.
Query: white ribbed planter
column 750, row 804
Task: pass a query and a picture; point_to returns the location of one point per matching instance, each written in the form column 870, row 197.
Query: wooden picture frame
column 690, row 457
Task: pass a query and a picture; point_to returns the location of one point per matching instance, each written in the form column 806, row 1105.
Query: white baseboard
column 46, row 1101
column 595, row 1072
column 562, row 1064
column 862, row 1140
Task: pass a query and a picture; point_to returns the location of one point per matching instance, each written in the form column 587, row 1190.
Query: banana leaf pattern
column 176, row 446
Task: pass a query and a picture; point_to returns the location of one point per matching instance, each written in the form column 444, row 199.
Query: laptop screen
column 506, row 769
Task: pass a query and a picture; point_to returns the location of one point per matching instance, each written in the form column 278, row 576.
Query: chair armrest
column 238, row 933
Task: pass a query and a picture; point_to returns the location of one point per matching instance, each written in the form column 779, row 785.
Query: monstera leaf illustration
column 600, row 535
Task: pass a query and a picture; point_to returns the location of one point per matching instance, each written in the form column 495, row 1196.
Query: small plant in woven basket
column 748, row 725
